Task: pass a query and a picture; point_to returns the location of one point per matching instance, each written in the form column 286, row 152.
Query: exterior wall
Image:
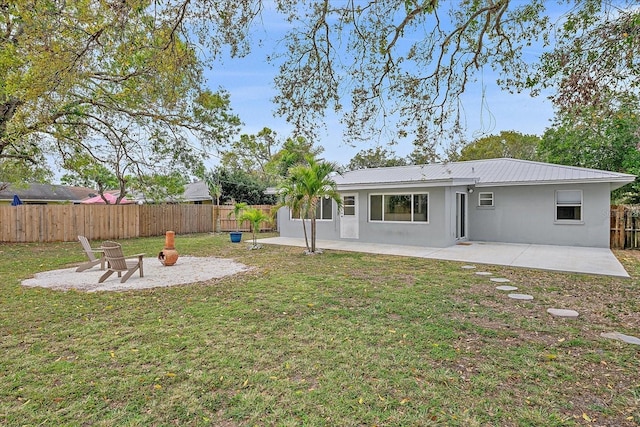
column 526, row 214
column 432, row 234
column 436, row 233
column 521, row 214
column 327, row 229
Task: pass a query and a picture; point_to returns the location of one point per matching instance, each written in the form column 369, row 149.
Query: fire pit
column 168, row 255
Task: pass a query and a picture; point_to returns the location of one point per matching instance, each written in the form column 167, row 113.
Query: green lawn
column 339, row 339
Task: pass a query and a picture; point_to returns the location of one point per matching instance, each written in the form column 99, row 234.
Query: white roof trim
column 408, row 184
column 482, row 173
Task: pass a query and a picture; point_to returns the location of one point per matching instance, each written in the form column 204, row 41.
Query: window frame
column 480, row 199
column 568, row 204
column 411, row 203
column 318, row 217
column 350, row 207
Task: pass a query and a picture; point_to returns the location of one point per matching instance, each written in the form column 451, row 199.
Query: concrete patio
column 571, row 259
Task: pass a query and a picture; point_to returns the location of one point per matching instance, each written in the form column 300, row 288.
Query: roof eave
column 449, row 182
column 623, row 180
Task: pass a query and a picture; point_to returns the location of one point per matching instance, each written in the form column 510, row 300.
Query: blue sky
column 249, row 81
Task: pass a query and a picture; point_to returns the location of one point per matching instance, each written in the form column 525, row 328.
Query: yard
column 340, row 339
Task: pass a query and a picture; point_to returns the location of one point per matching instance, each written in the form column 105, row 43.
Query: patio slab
column 600, row 261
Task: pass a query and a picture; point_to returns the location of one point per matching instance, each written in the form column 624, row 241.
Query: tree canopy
column 509, row 144
column 590, row 139
column 595, row 60
column 113, row 84
column 265, row 155
column 127, row 75
column 377, row 157
column 239, row 186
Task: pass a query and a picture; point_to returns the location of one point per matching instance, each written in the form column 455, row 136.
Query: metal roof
column 482, row 173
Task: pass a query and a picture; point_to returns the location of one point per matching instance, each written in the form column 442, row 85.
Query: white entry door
column 349, row 217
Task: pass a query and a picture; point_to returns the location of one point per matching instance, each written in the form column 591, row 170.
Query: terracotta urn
column 168, row 255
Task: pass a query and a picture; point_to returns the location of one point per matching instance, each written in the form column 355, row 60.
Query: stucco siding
column 431, row 234
column 435, row 233
column 521, row 214
column 526, row 214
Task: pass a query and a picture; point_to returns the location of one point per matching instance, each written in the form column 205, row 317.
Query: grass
column 340, row 339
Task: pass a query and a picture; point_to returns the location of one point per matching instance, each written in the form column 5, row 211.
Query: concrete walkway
column 544, row 257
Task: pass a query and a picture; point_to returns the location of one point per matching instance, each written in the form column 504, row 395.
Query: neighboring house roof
column 481, row 173
column 193, row 192
column 43, row 193
column 196, row 192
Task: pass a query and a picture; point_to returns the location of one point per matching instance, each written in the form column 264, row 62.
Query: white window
column 399, row 207
column 324, row 210
column 485, row 199
column 349, row 205
column 569, row 205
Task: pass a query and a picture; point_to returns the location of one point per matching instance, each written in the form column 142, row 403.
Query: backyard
column 338, row 339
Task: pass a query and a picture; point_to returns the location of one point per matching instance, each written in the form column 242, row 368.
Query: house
column 43, row 194
column 197, row 193
column 497, row 200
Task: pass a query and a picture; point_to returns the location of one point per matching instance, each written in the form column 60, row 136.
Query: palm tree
column 238, row 208
column 255, row 217
column 291, row 196
column 304, row 188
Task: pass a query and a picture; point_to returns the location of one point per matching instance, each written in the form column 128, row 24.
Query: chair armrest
column 134, row 256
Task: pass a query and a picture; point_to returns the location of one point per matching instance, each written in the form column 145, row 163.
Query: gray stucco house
column 497, row 200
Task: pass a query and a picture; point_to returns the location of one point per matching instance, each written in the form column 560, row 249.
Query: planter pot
column 236, row 236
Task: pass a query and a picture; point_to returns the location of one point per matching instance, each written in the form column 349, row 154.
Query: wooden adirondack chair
column 117, row 262
column 91, row 254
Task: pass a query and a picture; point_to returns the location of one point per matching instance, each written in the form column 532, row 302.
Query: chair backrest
column 87, row 247
column 115, row 257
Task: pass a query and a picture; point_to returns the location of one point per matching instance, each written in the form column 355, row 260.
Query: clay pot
column 169, row 255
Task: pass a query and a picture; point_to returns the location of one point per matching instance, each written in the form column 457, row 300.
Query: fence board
column 51, row 223
column 625, row 227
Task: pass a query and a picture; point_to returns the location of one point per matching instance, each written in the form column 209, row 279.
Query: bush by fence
column 63, row 223
column 625, row 227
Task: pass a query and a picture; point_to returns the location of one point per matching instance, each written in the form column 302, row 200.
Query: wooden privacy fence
column 625, row 227
column 63, row 223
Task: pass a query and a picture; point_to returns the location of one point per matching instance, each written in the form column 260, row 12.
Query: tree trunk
column 306, row 239
column 313, row 235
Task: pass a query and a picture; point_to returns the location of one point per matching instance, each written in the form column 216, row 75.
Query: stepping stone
column 559, row 312
column 523, row 297
column 621, row 337
column 506, row 288
column 499, row 280
column 483, row 273
column 468, row 267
